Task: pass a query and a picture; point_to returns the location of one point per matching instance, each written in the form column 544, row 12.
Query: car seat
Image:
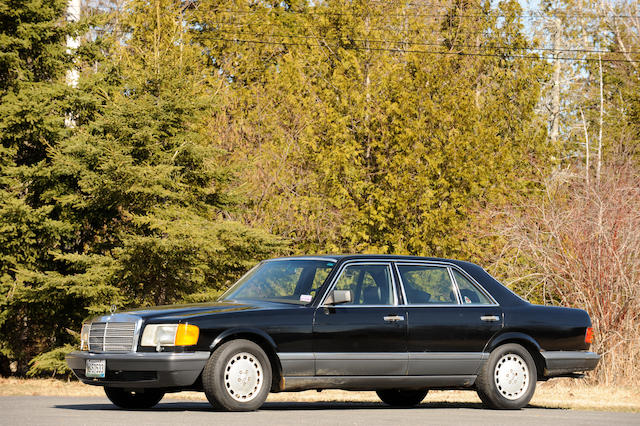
column 371, row 295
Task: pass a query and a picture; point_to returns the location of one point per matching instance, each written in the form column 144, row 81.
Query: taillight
column 588, row 336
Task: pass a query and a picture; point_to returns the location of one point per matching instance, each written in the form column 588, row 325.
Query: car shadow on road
column 293, row 406
column 280, row 406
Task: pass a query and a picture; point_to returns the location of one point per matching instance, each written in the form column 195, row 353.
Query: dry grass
column 558, row 393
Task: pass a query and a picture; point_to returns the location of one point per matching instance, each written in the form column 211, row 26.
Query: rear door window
column 425, row 285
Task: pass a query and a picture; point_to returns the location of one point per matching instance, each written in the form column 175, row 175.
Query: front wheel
column 144, row 398
column 237, row 377
column 507, row 381
column 402, row 398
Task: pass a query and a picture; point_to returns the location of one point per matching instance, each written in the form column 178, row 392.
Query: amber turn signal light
column 588, row 336
column 187, row 335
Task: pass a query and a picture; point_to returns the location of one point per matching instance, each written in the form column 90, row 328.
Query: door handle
column 394, row 318
column 490, row 318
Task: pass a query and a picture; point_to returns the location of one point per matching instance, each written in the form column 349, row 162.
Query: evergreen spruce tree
column 128, row 207
column 33, row 102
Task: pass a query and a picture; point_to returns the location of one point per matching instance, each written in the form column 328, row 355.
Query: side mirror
column 338, row 296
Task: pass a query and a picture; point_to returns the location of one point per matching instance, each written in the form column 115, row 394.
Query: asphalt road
column 69, row 411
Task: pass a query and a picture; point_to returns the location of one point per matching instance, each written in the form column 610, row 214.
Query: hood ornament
column 113, row 309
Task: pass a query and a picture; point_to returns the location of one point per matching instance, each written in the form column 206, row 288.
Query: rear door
column 450, row 319
column 366, row 337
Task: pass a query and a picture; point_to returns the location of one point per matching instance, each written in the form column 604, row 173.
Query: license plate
column 96, row 368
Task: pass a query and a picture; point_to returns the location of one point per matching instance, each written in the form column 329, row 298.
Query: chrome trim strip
column 404, row 295
column 454, row 283
column 445, row 305
column 432, row 305
column 291, row 356
column 361, row 306
column 322, row 259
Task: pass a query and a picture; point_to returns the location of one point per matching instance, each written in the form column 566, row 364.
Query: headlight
column 170, row 335
column 84, row 337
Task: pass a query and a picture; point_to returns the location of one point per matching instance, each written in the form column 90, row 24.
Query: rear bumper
column 559, row 363
column 141, row 369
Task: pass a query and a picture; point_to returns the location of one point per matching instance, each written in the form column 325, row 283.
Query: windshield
column 286, row 280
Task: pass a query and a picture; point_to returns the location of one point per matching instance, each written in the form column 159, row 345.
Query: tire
column 144, row 398
column 507, row 380
column 402, row 398
column 237, row 376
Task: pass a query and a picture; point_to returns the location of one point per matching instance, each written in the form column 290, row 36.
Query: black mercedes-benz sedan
column 397, row 325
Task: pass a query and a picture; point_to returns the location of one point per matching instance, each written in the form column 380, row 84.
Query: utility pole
column 73, row 15
column 73, row 75
column 586, row 145
column 599, row 165
column 555, row 100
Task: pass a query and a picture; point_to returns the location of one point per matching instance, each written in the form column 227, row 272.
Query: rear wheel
column 507, row 381
column 402, row 398
column 144, row 398
column 237, row 377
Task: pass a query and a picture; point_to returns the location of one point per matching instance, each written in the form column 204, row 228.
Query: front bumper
column 141, row 369
column 560, row 363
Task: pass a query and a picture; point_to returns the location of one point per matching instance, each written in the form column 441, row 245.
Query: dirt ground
column 557, row 393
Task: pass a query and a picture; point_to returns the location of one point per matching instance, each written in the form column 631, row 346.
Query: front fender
column 243, row 331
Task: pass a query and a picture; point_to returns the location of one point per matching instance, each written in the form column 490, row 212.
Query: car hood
column 181, row 312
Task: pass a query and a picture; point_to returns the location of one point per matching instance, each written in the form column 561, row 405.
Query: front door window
column 369, row 284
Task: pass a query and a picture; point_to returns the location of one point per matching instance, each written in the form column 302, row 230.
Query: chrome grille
column 112, row 336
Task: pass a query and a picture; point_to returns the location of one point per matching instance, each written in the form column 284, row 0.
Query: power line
column 215, row 26
column 428, row 52
column 414, row 43
column 532, row 14
column 305, row 27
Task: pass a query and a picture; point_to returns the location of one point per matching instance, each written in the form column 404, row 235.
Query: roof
column 337, row 257
column 502, row 294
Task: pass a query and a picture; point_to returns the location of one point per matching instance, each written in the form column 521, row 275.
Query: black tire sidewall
column 145, row 398
column 487, row 389
column 402, row 398
column 213, row 376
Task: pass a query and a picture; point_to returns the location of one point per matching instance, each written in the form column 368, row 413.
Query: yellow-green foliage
column 365, row 150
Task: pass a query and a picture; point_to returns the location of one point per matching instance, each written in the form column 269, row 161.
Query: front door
column 366, row 337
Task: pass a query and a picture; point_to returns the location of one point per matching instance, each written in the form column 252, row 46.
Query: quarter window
column 369, row 284
column 469, row 293
column 427, row 285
